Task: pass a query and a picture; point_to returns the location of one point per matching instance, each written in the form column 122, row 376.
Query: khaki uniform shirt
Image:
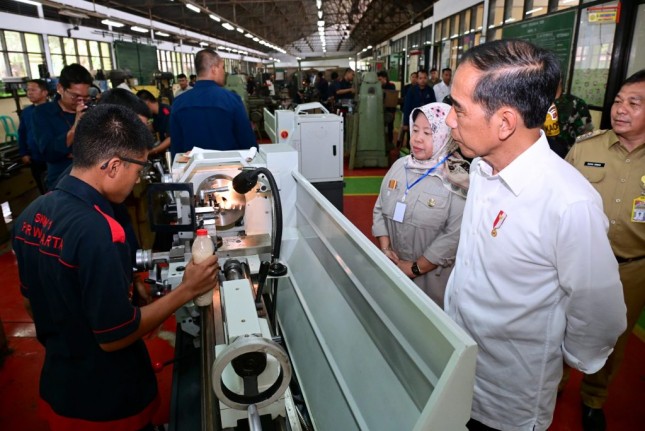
column 616, row 174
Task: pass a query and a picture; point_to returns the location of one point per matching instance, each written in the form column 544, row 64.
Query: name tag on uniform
column 595, row 164
column 399, row 212
column 638, row 210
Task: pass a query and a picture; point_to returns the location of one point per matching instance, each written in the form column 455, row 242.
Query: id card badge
column 638, row 210
column 399, row 212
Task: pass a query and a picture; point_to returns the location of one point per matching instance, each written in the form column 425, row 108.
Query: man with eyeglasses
column 54, row 123
column 75, row 271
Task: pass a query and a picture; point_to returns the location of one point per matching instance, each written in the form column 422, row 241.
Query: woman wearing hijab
column 417, row 216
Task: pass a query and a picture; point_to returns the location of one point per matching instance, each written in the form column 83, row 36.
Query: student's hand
column 200, row 278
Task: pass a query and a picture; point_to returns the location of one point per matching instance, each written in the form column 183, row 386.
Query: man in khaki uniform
column 614, row 162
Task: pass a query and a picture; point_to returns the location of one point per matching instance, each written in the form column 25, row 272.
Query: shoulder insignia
column 590, row 135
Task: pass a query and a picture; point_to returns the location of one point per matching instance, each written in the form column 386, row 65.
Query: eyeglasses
column 129, row 160
column 76, row 96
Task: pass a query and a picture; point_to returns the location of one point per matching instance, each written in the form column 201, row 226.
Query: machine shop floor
column 20, row 370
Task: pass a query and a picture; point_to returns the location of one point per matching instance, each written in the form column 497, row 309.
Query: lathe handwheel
column 238, row 348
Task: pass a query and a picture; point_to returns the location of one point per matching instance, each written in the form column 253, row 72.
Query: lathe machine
column 312, row 327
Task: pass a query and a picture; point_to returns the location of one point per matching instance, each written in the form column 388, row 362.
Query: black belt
column 627, row 260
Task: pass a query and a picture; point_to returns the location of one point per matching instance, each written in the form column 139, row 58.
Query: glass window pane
column 566, row 4
column 96, row 63
column 437, row 31
column 85, row 62
column 34, row 61
column 57, row 64
column 105, row 50
column 82, row 47
column 445, row 32
column 69, row 47
column 17, row 64
column 465, row 22
column 514, row 11
column 3, row 68
column 69, row 59
column 1, row 43
column 454, row 25
column 54, row 45
column 593, row 57
column 94, row 48
column 495, row 13
column 14, row 43
column 107, row 63
column 479, row 18
column 33, row 42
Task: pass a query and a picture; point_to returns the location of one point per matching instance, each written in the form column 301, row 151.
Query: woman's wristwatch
column 415, row 269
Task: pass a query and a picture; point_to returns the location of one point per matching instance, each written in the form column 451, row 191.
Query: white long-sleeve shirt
column 545, row 286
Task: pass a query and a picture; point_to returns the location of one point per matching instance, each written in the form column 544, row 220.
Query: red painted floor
column 625, row 409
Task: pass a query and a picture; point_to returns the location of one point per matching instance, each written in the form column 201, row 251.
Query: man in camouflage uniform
column 614, row 162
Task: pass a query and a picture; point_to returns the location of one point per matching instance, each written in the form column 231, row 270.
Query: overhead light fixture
column 318, row 4
column 256, row 39
column 320, row 14
column 240, row 29
column 139, row 29
column 29, row 2
column 73, row 14
column 203, row 44
column 193, row 7
column 161, row 33
column 321, row 23
column 369, row 46
column 249, row 35
column 228, row 26
column 214, row 17
column 532, row 11
column 112, row 23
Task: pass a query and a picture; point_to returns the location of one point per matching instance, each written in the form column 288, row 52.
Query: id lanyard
column 408, row 186
column 399, row 208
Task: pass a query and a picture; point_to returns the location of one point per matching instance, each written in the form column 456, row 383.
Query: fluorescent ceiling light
column 532, row 11
column 193, row 7
column 318, row 4
column 161, row 33
column 249, row 35
column 240, row 29
column 320, row 14
column 321, row 23
column 256, row 39
column 214, row 17
column 139, row 29
column 33, row 3
column 228, row 26
column 112, row 23
column 369, row 46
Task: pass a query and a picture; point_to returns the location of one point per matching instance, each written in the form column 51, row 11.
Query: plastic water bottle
column 202, row 249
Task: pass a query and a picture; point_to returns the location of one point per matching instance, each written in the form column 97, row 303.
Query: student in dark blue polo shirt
column 160, row 121
column 417, row 96
column 54, row 122
column 28, row 150
column 210, row 116
column 75, row 271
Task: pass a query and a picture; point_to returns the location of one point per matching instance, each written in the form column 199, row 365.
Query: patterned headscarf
column 454, row 171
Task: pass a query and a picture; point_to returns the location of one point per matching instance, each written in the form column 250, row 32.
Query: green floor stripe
column 362, row 186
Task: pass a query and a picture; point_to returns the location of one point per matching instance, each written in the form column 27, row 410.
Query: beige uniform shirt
column 616, row 174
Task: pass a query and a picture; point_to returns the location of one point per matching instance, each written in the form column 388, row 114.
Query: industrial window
column 20, row 54
column 90, row 54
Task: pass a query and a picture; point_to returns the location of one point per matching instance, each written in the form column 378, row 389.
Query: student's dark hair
column 349, row 69
column 40, row 83
column 321, row 74
column 446, row 69
column 204, row 59
column 334, row 76
column 181, row 75
column 146, row 96
column 192, row 76
column 425, row 72
column 434, row 69
column 636, row 78
column 517, row 74
column 74, row 74
column 414, row 73
column 123, row 97
column 383, row 74
column 106, row 131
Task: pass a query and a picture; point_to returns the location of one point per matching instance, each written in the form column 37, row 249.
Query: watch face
column 415, row 269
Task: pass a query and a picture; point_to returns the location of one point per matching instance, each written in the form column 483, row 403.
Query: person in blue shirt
column 160, row 121
column 210, row 116
column 54, row 123
column 75, row 271
column 28, row 150
column 417, row 96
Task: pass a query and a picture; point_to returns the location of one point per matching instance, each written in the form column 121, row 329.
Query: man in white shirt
column 535, row 279
column 442, row 89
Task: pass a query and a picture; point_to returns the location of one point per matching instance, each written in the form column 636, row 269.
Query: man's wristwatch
column 415, row 269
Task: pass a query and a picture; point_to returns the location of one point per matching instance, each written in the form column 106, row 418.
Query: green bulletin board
column 140, row 60
column 553, row 32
